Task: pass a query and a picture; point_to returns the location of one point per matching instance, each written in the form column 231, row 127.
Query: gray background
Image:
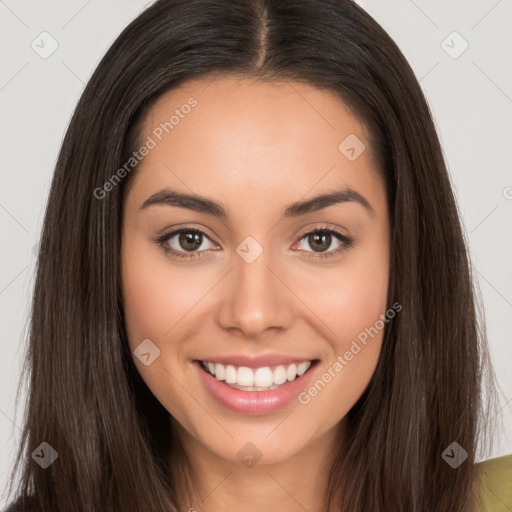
column 470, row 97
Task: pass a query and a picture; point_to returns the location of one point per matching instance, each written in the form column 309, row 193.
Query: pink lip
column 255, row 362
column 253, row 402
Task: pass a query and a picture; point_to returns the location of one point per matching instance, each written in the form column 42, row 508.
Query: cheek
column 351, row 297
column 155, row 299
column 141, row 296
column 355, row 300
column 350, row 306
column 152, row 307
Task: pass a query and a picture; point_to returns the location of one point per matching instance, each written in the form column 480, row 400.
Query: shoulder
column 494, row 485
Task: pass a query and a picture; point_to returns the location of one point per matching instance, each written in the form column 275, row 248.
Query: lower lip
column 254, row 402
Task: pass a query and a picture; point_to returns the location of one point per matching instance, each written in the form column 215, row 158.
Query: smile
column 255, row 390
column 256, row 379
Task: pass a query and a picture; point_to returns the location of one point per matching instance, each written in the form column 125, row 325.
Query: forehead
column 278, row 140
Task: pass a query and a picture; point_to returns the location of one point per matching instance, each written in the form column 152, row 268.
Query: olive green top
column 494, row 485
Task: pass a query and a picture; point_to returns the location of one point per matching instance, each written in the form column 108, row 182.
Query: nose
column 256, row 299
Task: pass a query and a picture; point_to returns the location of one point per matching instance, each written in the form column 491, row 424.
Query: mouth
column 255, row 390
column 264, row 378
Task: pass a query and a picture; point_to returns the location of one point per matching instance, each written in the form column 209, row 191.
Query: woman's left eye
column 191, row 240
column 322, row 239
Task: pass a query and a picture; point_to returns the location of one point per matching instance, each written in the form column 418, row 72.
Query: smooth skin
column 255, row 148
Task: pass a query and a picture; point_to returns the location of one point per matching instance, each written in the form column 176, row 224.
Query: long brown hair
column 86, row 398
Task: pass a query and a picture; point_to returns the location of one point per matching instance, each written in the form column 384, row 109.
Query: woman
column 253, row 289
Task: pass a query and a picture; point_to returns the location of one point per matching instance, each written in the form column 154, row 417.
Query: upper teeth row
column 258, row 377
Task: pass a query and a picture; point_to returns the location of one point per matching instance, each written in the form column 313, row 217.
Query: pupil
column 190, row 238
column 325, row 241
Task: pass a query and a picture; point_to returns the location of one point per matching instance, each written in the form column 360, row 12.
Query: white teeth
column 260, row 379
column 291, row 372
column 279, row 375
column 219, row 371
column 230, row 374
column 301, row 369
column 245, row 376
column 263, row 377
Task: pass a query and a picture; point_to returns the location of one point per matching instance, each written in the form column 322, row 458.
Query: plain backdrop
column 459, row 50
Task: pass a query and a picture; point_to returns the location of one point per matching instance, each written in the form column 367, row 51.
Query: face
column 227, row 260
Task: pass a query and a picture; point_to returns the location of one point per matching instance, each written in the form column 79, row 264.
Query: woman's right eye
column 183, row 243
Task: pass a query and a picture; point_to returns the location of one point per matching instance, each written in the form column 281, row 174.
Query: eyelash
column 346, row 242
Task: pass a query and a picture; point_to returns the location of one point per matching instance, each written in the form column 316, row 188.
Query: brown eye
column 324, row 242
column 320, row 241
column 186, row 243
column 190, row 240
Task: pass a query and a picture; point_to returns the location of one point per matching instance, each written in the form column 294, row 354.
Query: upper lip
column 256, row 361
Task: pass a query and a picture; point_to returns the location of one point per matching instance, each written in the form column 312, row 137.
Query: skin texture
column 256, row 148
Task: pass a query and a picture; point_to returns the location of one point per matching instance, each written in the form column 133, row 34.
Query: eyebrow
column 202, row 204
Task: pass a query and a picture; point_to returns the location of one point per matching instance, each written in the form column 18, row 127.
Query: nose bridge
column 255, row 299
